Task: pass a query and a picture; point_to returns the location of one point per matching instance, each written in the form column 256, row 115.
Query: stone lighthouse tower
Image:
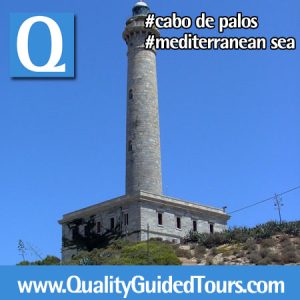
column 143, row 159
column 143, row 212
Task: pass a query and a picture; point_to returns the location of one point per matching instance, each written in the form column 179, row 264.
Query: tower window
column 112, row 223
column 130, row 148
column 195, row 226
column 98, row 229
column 75, row 233
column 86, row 230
column 130, row 94
column 178, row 223
column 126, row 219
column 211, row 228
column 160, row 219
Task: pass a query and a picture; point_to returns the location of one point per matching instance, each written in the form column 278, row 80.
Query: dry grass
column 183, row 253
column 200, row 251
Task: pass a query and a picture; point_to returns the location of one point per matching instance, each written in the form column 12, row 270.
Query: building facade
column 143, row 212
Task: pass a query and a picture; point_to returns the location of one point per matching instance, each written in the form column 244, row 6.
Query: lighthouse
column 143, row 155
column 143, row 212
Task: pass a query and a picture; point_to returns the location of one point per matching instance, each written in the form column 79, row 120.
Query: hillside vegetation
column 267, row 244
column 128, row 253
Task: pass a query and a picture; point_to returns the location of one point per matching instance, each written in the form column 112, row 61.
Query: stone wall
column 143, row 209
column 169, row 230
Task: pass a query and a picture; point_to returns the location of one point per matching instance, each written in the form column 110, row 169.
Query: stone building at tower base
column 139, row 217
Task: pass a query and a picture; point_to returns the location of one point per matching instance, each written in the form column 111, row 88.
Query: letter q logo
column 42, row 45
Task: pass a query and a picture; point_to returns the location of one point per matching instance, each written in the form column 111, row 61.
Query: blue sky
column 229, row 121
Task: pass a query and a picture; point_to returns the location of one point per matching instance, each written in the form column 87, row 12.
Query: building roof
column 143, row 196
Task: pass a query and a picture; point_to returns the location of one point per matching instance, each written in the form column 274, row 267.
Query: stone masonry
column 143, row 161
column 143, row 211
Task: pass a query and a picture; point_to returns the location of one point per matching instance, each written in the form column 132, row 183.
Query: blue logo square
column 42, row 45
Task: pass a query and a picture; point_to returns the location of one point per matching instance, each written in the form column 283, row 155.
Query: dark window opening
column 178, row 223
column 75, row 233
column 211, row 228
column 126, row 220
column 160, row 219
column 195, row 226
column 86, row 230
column 130, row 148
column 98, row 230
column 130, row 94
column 112, row 223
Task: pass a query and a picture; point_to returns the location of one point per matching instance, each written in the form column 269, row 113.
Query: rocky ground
column 278, row 250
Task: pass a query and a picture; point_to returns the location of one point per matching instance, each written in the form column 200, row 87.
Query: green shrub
column 268, row 243
column 207, row 240
column 264, row 252
column 250, row 245
column 254, row 257
column 289, row 257
column 214, row 251
column 125, row 253
column 265, row 261
column 48, row 261
column 275, row 257
column 242, row 234
column 235, row 251
column 24, row 263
